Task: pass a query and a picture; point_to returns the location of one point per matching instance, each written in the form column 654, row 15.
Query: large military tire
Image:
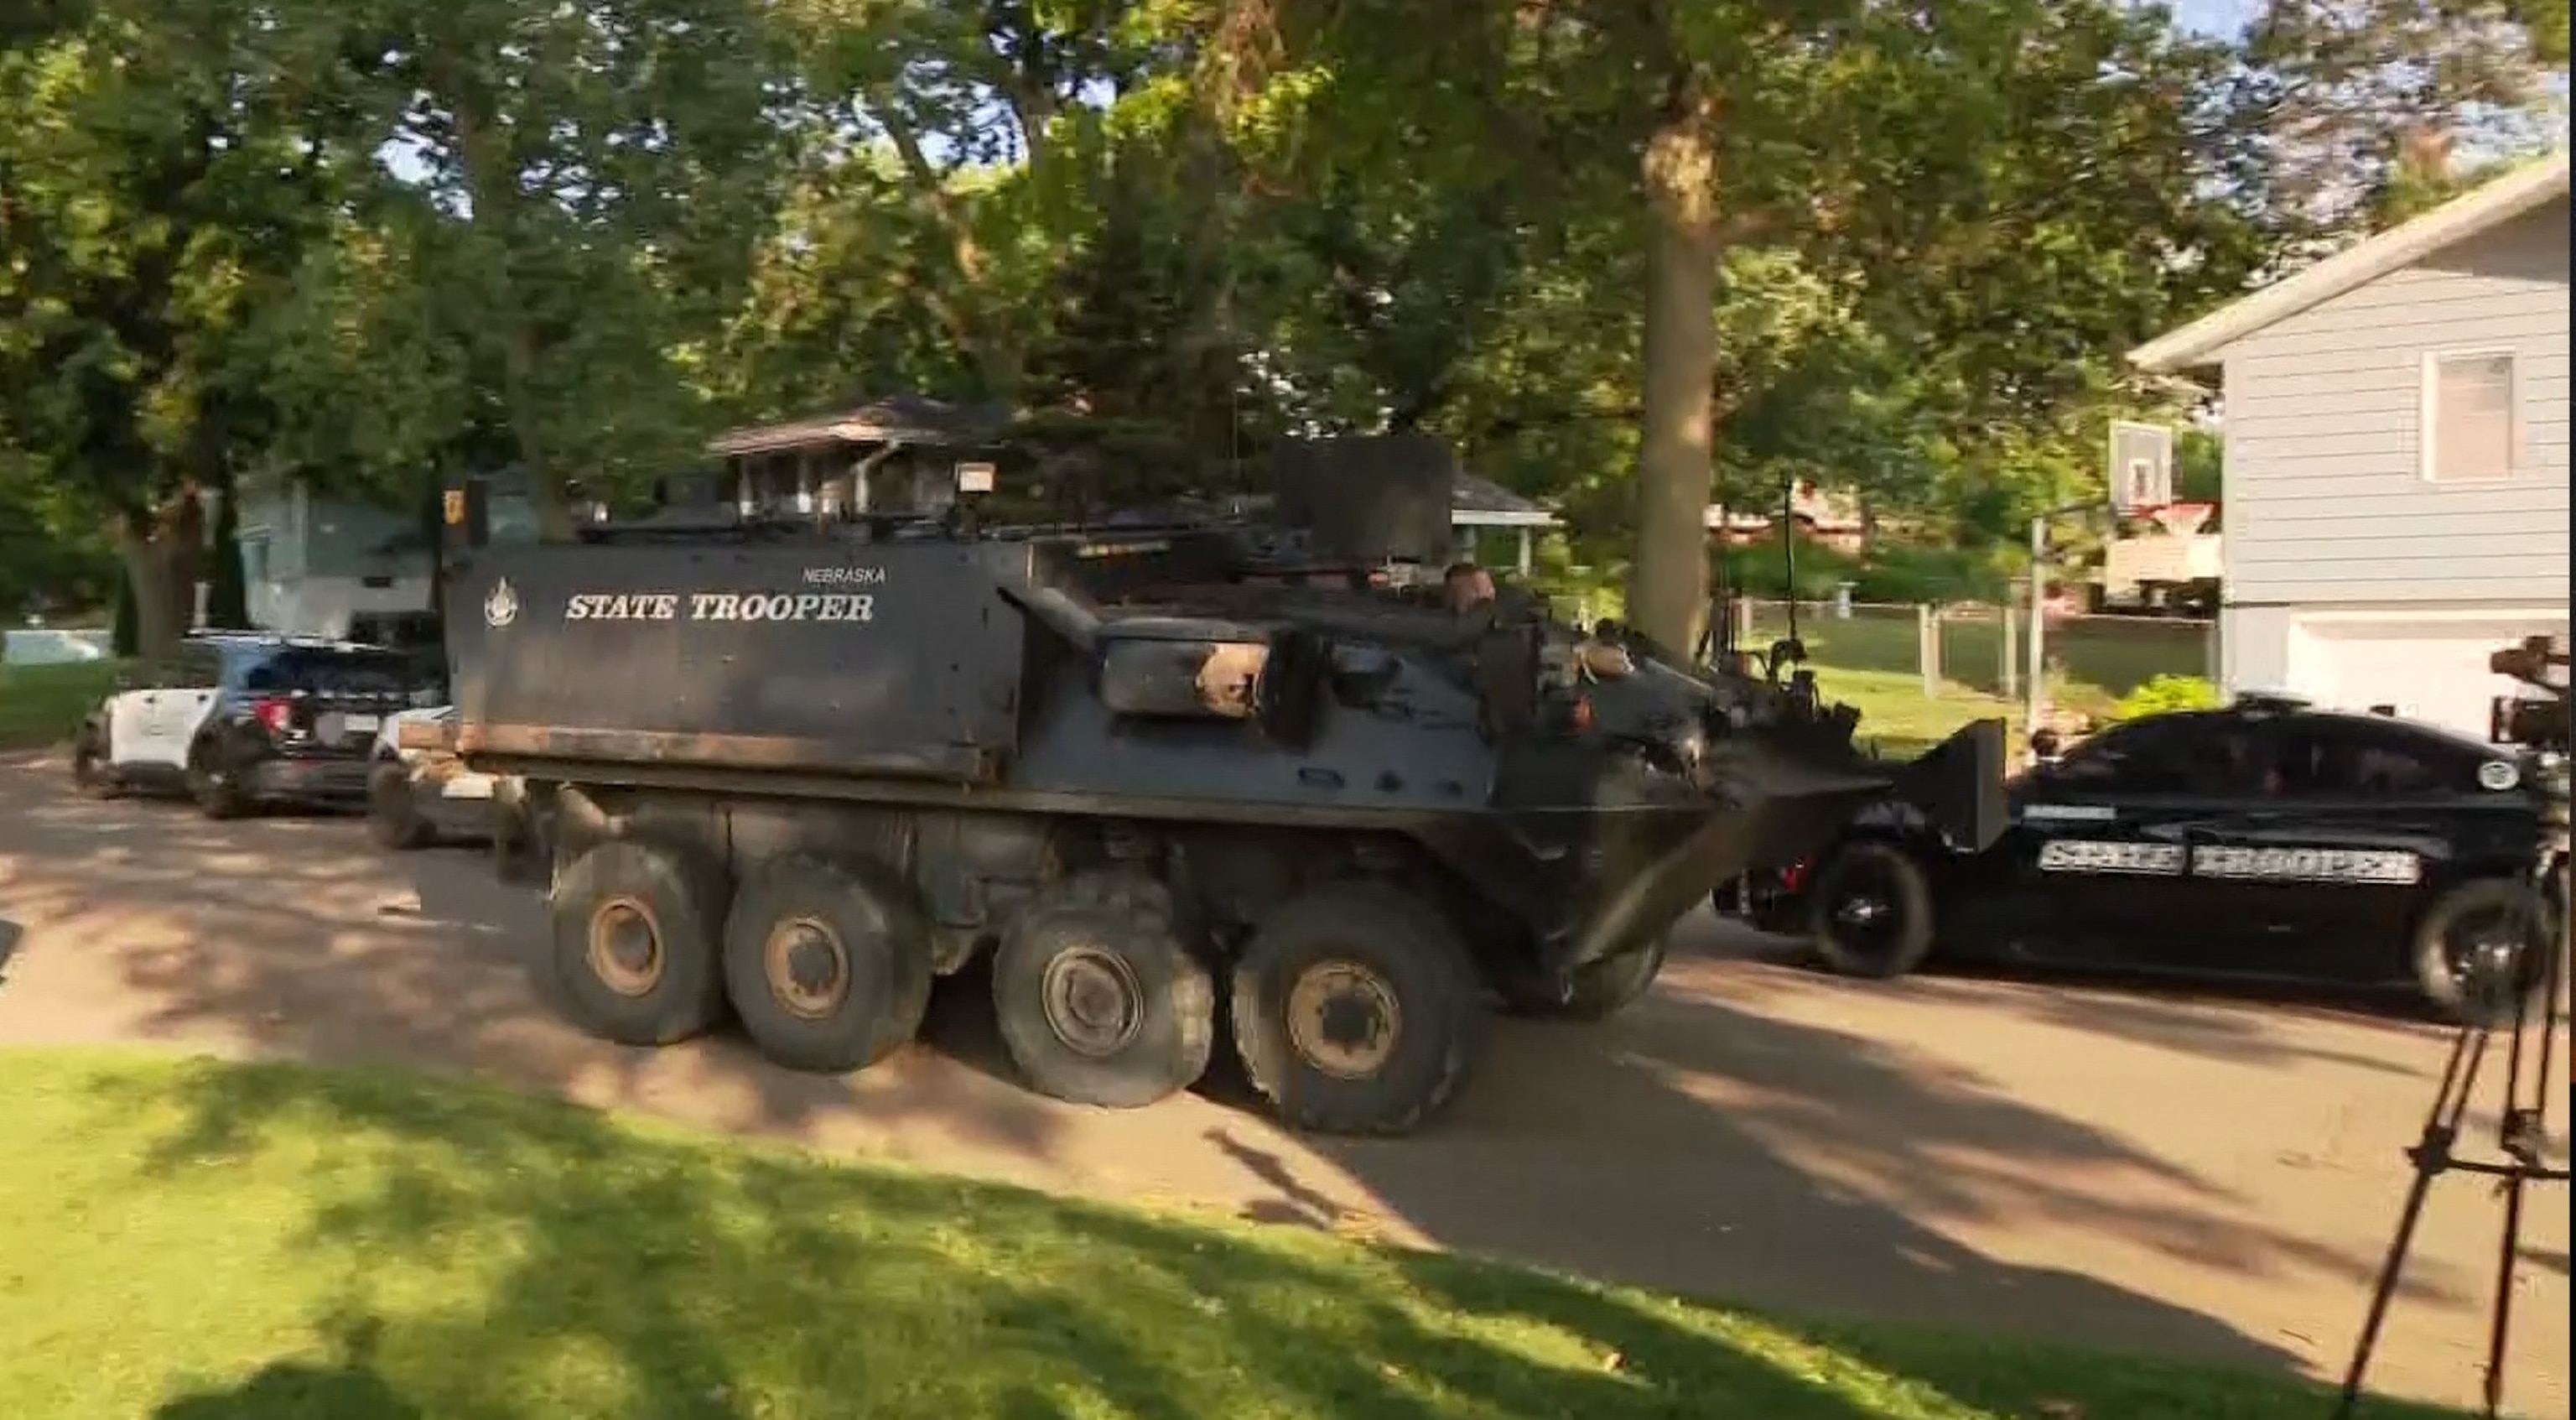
column 1356, row 1010
column 1601, row 989
column 635, row 943
column 1872, row 911
column 2481, row 952
column 394, row 819
column 1098, row 999
column 828, row 966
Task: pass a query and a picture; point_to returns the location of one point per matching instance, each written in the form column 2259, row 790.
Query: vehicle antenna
column 1789, row 550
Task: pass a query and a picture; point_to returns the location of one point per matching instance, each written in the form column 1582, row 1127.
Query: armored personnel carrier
column 1186, row 784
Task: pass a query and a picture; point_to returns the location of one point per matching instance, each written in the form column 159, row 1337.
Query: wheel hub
column 1343, row 1019
column 807, row 967
column 625, row 947
column 1092, row 1001
column 1861, row 910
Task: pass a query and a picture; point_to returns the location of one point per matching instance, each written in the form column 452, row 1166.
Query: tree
column 152, row 188
column 2369, row 101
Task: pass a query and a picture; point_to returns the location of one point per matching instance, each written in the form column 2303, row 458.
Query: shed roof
column 1478, row 502
column 912, row 418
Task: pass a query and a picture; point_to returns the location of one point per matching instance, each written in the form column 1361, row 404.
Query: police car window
column 332, row 671
column 2328, row 760
column 2145, row 757
column 2168, row 754
column 195, row 666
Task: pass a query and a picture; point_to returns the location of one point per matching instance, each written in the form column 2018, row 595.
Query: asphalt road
column 2211, row 1178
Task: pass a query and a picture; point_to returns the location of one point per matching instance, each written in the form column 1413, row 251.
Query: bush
column 2164, row 693
column 1897, row 573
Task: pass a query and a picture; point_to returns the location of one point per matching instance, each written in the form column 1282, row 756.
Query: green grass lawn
column 2109, row 656
column 197, row 1241
column 42, row 705
column 1897, row 717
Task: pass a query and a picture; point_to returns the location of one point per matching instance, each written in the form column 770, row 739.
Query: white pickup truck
column 418, row 797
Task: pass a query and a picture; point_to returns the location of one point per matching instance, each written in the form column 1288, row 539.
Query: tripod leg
column 2432, row 1154
column 2522, row 1132
column 2500, row 1321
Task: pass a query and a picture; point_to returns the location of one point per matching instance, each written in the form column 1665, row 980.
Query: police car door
column 131, row 713
column 2324, row 872
column 2100, row 841
column 150, row 727
column 188, row 697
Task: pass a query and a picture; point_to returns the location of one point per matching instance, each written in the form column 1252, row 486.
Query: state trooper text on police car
column 2388, row 866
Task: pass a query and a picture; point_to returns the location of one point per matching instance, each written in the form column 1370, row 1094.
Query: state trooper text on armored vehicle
column 1178, row 780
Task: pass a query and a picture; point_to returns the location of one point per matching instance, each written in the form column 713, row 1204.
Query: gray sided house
column 2396, row 478
column 318, row 565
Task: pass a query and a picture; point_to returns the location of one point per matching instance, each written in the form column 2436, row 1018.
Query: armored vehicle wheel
column 1873, row 911
column 635, row 943
column 1356, row 1010
column 393, row 820
column 1599, row 991
column 1098, row 1000
column 2481, row 951
column 828, row 966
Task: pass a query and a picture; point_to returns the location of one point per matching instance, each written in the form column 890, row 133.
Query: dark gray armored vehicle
column 1184, row 783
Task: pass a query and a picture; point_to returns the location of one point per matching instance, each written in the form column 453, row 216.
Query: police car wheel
column 827, row 964
column 393, row 819
column 1872, row 911
column 215, row 789
column 2481, row 951
column 91, row 776
column 1356, row 1010
column 634, row 953
column 1098, row 1000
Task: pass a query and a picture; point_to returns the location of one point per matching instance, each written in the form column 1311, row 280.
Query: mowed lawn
column 1901, row 721
column 189, row 1240
column 42, row 705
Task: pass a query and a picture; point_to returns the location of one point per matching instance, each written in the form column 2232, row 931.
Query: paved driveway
column 2210, row 1178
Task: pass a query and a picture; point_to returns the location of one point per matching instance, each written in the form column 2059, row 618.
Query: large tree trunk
column 153, row 584
column 1668, row 582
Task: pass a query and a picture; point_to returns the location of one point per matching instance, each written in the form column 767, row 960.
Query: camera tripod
column 2522, row 1132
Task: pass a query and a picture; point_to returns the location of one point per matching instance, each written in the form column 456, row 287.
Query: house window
column 2468, row 417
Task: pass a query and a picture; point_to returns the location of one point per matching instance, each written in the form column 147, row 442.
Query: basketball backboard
column 2182, row 519
column 2140, row 472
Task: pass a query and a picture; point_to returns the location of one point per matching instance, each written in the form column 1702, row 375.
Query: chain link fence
column 1985, row 648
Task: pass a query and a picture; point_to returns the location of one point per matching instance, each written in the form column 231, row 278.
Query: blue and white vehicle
column 239, row 720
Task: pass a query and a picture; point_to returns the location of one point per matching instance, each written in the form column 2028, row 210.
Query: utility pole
column 2035, row 677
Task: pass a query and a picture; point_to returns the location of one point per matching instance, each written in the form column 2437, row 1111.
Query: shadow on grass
column 657, row 1278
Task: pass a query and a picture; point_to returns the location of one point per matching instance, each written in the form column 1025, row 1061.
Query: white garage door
column 2428, row 669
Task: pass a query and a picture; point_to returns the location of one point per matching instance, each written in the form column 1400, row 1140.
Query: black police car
column 2266, row 839
column 237, row 720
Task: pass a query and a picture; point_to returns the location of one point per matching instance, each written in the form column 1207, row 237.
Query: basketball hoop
column 2181, row 519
